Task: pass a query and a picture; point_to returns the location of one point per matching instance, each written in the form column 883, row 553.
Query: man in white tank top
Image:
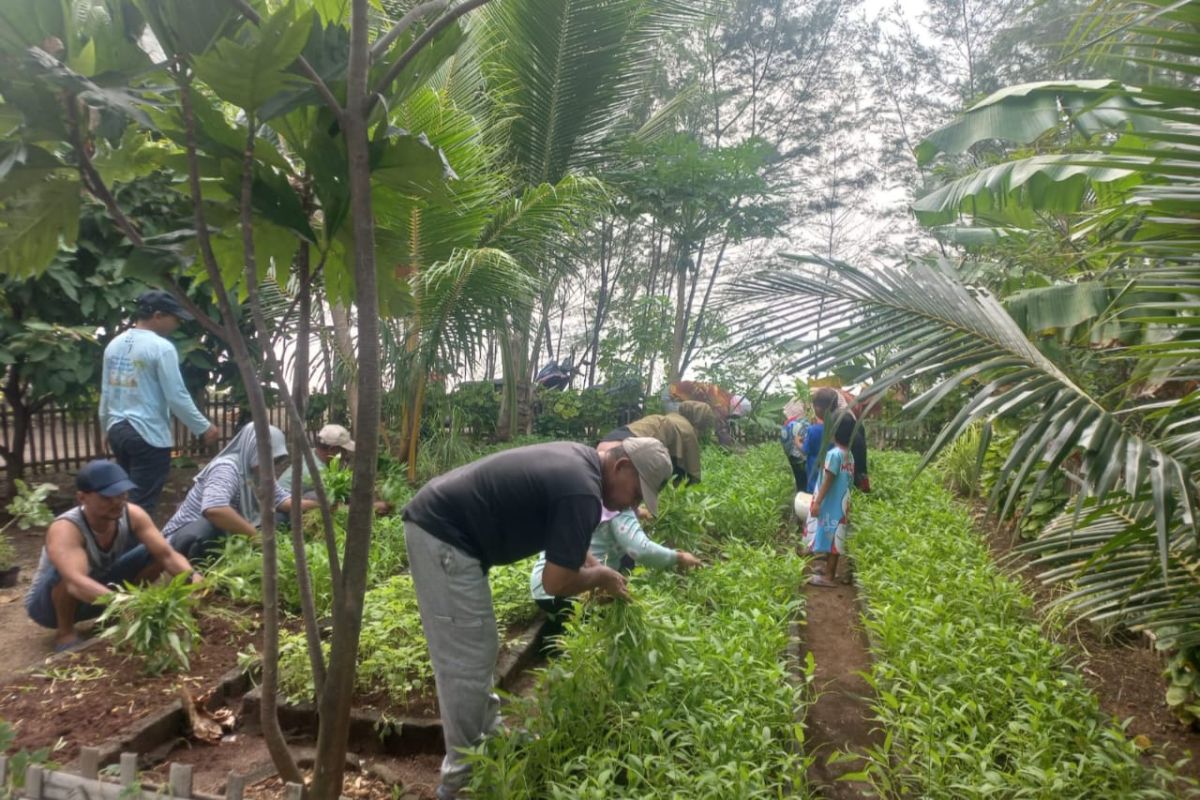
column 100, row 544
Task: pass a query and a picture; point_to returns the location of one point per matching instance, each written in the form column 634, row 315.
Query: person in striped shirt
column 224, row 497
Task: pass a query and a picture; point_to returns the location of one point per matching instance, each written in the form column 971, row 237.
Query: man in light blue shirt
column 140, row 388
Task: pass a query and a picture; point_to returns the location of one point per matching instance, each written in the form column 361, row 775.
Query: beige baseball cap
column 653, row 464
column 336, row 436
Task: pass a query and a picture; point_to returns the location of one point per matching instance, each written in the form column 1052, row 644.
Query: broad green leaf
column 1059, row 306
column 273, row 247
column 137, row 155
column 1056, row 184
column 187, row 27
column 34, row 222
column 250, row 68
column 124, row 100
column 1023, row 113
column 409, row 164
column 424, row 66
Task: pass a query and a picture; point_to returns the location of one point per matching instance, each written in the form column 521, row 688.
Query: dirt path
column 840, row 719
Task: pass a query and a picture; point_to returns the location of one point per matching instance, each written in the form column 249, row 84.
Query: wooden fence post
column 33, row 782
column 235, row 786
column 181, row 780
column 89, row 763
column 128, row 769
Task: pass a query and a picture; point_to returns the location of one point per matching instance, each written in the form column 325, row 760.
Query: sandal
column 821, row 580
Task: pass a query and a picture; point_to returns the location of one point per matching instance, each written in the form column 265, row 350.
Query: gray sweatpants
column 455, row 601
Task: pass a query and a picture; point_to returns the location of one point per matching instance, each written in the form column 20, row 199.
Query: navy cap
column 105, row 477
column 158, row 300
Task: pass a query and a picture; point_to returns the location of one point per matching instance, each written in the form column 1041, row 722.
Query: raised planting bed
column 976, row 701
column 96, row 697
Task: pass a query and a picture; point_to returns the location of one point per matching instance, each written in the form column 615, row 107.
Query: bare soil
column 839, row 721
column 1123, row 670
column 377, row 777
column 88, row 697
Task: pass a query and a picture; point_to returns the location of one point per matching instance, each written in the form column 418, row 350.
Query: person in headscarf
column 719, row 401
column 224, row 497
column 791, row 436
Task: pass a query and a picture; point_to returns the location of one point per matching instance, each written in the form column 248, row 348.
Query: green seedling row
column 393, row 658
column 686, row 691
column 973, row 698
column 742, row 496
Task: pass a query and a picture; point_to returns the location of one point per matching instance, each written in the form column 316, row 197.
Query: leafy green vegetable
column 156, row 622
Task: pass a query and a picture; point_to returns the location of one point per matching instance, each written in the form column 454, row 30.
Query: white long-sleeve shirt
column 140, row 383
column 614, row 538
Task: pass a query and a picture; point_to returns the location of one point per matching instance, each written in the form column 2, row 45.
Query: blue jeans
column 146, row 464
column 40, row 606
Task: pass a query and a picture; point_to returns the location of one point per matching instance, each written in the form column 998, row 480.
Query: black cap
column 105, row 477
column 158, row 300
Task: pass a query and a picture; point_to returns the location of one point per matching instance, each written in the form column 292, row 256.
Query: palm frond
column 963, row 337
column 563, row 70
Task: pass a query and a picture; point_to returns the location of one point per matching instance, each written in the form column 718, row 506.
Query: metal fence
column 63, row 437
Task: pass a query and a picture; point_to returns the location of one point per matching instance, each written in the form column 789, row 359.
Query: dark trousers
column 558, row 611
column 800, row 473
column 199, row 541
column 147, row 465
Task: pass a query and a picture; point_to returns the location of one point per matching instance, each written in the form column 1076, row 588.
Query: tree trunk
column 299, row 441
column 22, row 416
column 679, row 328
column 272, row 733
column 344, row 344
column 334, row 707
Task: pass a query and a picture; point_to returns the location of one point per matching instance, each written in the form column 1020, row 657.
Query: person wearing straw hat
column 140, row 388
column 224, row 497
column 103, row 542
column 497, row 510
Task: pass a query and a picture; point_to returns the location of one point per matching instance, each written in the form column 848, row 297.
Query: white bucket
column 801, row 505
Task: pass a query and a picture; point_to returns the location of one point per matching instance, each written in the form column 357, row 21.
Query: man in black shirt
column 498, row 510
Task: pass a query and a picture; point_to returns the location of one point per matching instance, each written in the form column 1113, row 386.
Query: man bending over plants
column 498, row 510
column 101, row 543
column 681, row 432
